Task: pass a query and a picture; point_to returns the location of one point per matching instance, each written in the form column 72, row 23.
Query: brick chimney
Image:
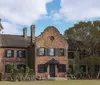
column 25, row 32
column 32, row 33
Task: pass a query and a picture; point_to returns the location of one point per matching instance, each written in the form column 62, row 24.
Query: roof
column 7, row 40
column 51, row 28
column 52, row 61
column 18, row 41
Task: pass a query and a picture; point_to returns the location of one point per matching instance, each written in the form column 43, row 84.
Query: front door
column 52, row 70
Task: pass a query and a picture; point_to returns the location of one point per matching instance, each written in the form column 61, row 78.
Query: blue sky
column 62, row 14
column 61, row 25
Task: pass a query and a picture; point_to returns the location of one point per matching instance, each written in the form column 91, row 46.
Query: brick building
column 46, row 54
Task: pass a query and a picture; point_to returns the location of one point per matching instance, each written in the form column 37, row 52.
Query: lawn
column 60, row 82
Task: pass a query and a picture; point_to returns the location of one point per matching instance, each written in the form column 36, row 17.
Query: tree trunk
column 98, row 74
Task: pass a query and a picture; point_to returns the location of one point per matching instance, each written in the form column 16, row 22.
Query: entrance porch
column 52, row 69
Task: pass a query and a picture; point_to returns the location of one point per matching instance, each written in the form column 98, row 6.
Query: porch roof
column 52, row 61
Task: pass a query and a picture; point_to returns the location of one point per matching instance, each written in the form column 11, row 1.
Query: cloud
column 10, row 28
column 78, row 10
column 22, row 12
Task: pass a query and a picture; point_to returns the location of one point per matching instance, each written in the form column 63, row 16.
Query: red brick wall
column 14, row 60
column 44, row 41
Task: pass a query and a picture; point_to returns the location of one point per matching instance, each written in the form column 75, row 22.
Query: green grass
column 60, row 82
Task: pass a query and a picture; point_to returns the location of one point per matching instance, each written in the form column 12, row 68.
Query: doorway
column 52, row 70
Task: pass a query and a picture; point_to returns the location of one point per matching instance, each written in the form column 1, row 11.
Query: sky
column 63, row 14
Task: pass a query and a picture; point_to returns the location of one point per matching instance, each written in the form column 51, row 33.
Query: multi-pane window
column 19, row 66
column 83, row 68
column 61, row 52
column 62, row 68
column 97, row 68
column 41, row 51
column 20, row 53
column 99, row 53
column 7, row 68
column 82, row 55
column 42, row 68
column 71, row 55
column 71, row 69
column 51, row 51
column 9, row 53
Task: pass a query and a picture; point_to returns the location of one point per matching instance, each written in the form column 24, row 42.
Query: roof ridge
column 15, row 35
column 11, row 34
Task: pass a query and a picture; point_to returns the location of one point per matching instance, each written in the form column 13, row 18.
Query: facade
column 46, row 54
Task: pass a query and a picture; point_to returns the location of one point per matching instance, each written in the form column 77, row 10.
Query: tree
column 89, row 34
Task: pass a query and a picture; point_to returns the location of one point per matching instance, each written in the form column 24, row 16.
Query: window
column 51, row 51
column 99, row 53
column 9, row 53
column 83, row 68
column 20, row 53
column 61, row 52
column 97, row 68
column 71, row 69
column 82, row 55
column 41, row 51
column 19, row 66
column 52, row 38
column 62, row 68
column 71, row 55
column 7, row 68
column 42, row 68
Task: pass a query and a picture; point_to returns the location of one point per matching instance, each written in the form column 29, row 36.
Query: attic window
column 52, row 38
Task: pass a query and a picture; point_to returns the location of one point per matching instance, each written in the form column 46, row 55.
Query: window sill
column 20, row 57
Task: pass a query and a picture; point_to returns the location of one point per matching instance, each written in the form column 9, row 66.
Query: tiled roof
column 7, row 40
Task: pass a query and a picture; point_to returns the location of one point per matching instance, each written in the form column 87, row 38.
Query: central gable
column 51, row 37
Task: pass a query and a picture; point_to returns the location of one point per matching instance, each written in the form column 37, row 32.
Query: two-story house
column 46, row 54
